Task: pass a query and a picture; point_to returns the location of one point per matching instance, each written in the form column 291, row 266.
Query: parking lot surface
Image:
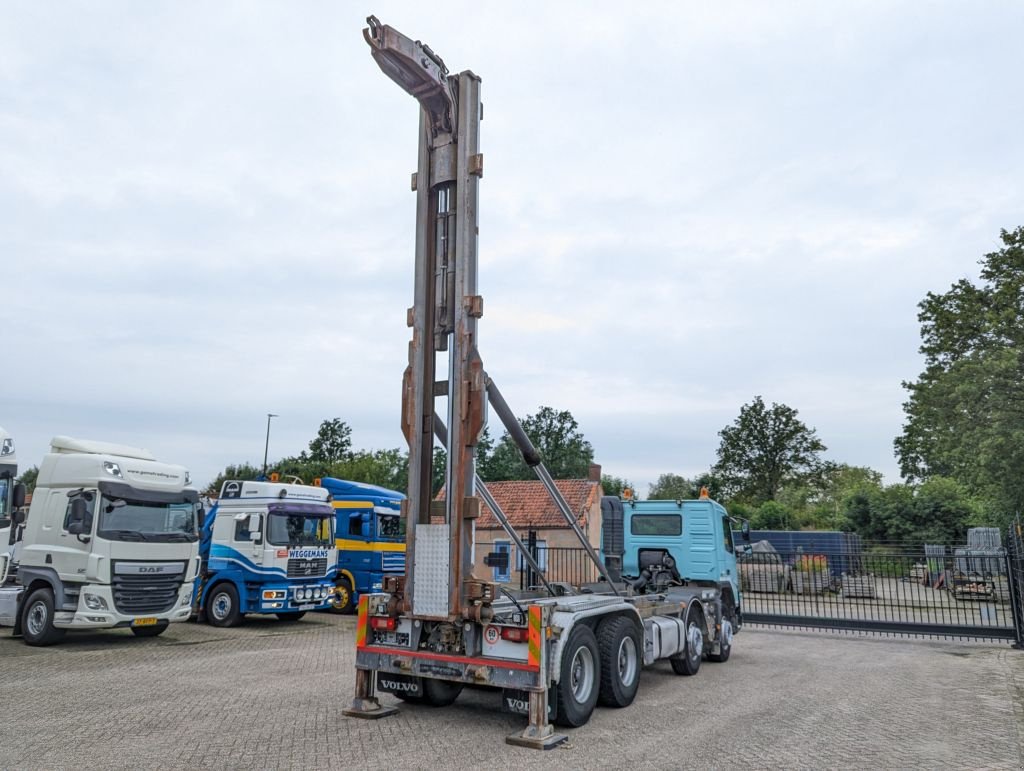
column 270, row 695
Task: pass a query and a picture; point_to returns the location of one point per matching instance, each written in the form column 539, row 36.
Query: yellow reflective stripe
column 533, row 642
column 352, row 545
column 352, row 504
column 364, row 612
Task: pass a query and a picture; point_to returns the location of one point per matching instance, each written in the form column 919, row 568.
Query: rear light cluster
column 514, row 633
column 383, row 624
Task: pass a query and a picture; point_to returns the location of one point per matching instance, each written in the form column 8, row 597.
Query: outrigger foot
column 368, row 709
column 537, row 740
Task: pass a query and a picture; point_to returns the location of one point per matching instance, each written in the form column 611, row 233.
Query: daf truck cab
column 10, row 499
column 266, row 548
column 110, row 541
column 370, row 538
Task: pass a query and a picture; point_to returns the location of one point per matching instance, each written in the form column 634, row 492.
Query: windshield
column 127, row 520
column 298, row 530
column 391, row 526
column 5, row 501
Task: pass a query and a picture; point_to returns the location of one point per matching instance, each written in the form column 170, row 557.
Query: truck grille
column 311, row 568
column 141, row 594
column 393, row 562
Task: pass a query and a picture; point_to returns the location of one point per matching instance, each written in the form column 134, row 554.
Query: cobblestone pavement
column 270, row 695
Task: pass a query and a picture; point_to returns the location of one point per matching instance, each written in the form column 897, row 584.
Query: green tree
column 671, row 487
column 242, row 471
column 385, row 468
column 615, row 485
column 333, row 442
column 764, row 449
column 556, row 435
column 965, row 413
column 28, row 478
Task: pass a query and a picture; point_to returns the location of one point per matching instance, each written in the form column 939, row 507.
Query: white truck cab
column 8, row 473
column 110, row 540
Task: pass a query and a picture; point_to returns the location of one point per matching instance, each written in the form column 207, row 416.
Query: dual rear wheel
column 598, row 668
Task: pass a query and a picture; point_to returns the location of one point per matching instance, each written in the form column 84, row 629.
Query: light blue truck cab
column 370, row 535
column 655, row 545
column 266, row 547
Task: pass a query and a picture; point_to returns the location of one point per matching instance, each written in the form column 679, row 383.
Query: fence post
column 1013, row 575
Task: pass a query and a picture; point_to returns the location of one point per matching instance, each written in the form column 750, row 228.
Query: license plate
column 148, row 621
column 391, row 638
column 307, row 607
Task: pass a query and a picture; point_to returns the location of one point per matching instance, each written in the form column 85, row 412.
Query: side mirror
column 745, row 530
column 254, row 523
column 255, row 535
column 18, row 518
column 747, row 549
column 18, row 496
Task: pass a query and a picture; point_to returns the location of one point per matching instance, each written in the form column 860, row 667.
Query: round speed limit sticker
column 491, row 634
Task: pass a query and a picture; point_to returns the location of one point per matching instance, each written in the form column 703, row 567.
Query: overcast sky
column 205, row 215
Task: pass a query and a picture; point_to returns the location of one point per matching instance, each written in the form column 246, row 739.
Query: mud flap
column 399, row 684
column 517, row 702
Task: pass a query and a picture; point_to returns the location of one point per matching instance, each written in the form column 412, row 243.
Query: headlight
column 93, row 602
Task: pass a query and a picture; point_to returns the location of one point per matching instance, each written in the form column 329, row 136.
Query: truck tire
column 37, row 619
column 688, row 662
column 580, row 678
column 344, row 597
column 150, row 631
column 619, row 643
column 440, row 693
column 222, row 606
column 725, row 643
column 290, row 616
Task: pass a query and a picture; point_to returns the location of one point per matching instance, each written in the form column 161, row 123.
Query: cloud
column 205, row 216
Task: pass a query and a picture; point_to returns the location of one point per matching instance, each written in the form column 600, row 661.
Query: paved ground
column 270, row 695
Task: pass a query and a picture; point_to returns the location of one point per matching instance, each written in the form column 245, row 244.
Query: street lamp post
column 266, row 446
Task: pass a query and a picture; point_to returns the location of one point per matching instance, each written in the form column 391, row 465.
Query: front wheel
column 724, row 641
column 688, row 661
column 344, row 597
column 580, row 676
column 37, row 620
column 222, row 606
column 150, row 631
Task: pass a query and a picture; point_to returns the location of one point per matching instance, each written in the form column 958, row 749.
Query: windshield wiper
column 122, row 535
column 171, row 537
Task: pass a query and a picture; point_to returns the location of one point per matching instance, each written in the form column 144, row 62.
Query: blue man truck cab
column 656, row 545
column 370, row 534
column 266, row 547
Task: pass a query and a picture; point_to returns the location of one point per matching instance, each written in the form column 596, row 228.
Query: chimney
column 594, row 474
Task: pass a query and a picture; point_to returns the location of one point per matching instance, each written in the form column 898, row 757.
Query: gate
column 897, row 589
column 969, row 591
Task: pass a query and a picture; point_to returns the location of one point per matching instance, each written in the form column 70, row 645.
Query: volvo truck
column 556, row 652
column 110, row 541
column 370, row 538
column 266, row 548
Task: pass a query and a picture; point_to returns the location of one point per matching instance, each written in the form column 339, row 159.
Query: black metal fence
column 973, row 590
column 896, row 589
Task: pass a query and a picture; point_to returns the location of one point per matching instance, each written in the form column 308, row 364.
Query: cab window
column 90, row 506
column 242, row 532
column 727, row 530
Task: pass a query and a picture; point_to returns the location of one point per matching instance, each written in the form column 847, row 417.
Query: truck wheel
column 37, row 619
column 688, row 662
column 619, row 643
column 725, row 641
column 440, row 693
column 290, row 616
column 578, row 684
column 150, row 631
column 343, row 597
column 222, row 605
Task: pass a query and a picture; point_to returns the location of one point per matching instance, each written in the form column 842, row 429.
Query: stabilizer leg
column 539, row 733
column 365, row 705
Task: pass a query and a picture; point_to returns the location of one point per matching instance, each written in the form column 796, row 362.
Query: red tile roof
column 527, row 503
